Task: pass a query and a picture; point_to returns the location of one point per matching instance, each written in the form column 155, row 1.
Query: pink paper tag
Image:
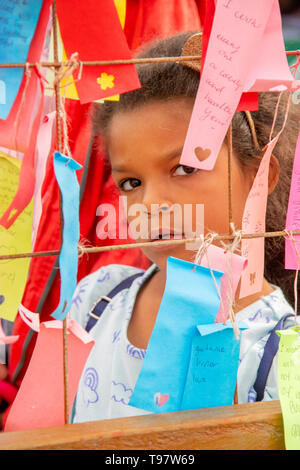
column 31, row 319
column 40, row 400
column 26, row 185
column 270, row 69
column 293, row 213
column 254, row 222
column 44, row 141
column 232, row 266
column 234, row 41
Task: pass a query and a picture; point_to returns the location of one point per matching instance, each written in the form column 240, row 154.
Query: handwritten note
column 190, row 299
column 40, row 400
column 232, row 266
column 289, row 385
column 213, row 367
column 16, row 239
column 18, row 21
column 235, row 38
column 254, row 221
column 293, row 214
column 248, row 101
column 65, row 171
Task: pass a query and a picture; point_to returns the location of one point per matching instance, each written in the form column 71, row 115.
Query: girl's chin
column 159, row 255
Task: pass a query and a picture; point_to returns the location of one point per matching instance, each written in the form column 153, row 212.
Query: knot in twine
column 204, row 247
column 230, row 248
column 202, row 251
column 235, row 245
column 67, row 68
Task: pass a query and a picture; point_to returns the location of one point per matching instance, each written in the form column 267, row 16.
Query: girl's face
column 145, row 145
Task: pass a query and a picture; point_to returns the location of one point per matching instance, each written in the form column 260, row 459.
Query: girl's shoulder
column 268, row 309
column 96, row 284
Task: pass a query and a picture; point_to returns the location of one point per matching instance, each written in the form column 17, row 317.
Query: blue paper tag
column 18, row 21
column 65, row 172
column 212, row 374
column 190, row 298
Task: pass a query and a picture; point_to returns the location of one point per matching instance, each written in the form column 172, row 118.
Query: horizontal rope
column 98, row 249
column 116, row 62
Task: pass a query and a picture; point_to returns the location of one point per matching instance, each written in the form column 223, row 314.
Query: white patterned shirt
column 113, row 366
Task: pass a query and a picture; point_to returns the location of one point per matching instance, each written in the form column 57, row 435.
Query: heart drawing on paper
column 160, row 399
column 202, row 154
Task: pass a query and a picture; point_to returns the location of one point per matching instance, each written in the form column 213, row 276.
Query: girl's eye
column 129, row 184
column 183, row 170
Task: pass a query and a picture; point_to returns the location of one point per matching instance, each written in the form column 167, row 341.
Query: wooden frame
column 253, row 426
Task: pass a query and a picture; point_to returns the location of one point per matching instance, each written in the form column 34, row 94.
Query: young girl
column 144, row 134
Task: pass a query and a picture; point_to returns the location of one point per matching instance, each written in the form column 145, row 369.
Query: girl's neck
column 250, row 299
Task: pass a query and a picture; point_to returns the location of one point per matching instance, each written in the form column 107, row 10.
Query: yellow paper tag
column 17, row 239
column 289, row 385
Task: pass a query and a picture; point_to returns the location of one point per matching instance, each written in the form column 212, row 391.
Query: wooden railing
column 253, row 426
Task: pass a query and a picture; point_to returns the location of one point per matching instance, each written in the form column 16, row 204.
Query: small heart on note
column 160, row 399
column 202, row 154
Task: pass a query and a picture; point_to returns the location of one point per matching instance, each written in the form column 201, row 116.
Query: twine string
column 231, row 248
column 59, row 145
column 126, row 246
column 295, row 66
column 134, row 61
column 203, row 251
column 295, row 242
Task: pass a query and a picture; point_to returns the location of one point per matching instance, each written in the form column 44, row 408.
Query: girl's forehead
column 160, row 110
column 155, row 128
column 152, row 124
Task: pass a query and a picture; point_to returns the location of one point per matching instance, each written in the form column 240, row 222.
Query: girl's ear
column 274, row 172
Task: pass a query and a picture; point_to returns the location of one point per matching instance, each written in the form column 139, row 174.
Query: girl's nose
column 156, row 198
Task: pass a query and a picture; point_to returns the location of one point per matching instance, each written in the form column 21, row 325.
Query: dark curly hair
column 169, row 80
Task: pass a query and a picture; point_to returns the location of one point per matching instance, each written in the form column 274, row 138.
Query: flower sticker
column 106, row 81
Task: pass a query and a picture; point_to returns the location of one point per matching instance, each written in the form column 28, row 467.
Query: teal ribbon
column 65, row 171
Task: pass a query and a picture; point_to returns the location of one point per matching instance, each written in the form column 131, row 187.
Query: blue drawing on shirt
column 251, row 395
column 274, row 297
column 121, row 393
column 81, row 288
column 119, row 300
column 135, row 352
column 90, row 382
column 106, row 277
column 259, row 314
column 116, row 336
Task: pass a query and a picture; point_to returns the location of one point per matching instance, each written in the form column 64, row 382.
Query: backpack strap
column 270, row 351
column 99, row 306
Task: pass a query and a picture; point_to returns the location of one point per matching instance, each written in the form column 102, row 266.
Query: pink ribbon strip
column 73, row 326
